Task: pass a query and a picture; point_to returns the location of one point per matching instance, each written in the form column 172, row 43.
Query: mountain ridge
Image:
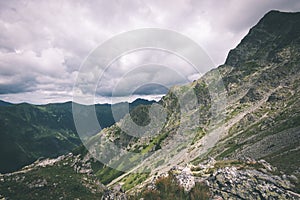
column 49, row 127
column 70, row 102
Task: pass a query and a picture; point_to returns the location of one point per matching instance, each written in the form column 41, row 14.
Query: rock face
column 264, row 42
column 114, row 194
column 229, row 182
column 184, row 177
column 245, row 178
column 262, row 76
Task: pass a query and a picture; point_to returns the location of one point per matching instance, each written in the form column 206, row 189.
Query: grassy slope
column 30, row 131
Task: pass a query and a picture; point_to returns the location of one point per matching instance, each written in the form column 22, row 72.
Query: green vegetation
column 49, row 127
column 166, row 188
column 199, row 133
column 133, row 180
column 140, row 115
column 53, row 182
column 107, row 174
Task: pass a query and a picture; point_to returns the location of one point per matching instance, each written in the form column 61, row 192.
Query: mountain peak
column 274, row 32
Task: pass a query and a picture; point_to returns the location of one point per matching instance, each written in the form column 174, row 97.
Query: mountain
column 232, row 134
column 264, row 84
column 29, row 132
column 4, row 103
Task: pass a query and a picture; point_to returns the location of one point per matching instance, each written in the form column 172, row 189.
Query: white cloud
column 43, row 43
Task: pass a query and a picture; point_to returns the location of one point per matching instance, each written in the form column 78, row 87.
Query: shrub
column 167, row 188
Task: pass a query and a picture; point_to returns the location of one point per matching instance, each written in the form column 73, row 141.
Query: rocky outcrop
column 116, row 193
column 245, row 178
column 61, row 178
column 250, row 179
column 184, row 177
column 229, row 182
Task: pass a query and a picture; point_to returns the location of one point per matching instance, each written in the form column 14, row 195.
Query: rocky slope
column 73, row 177
column 260, row 120
column 65, row 177
column 267, row 96
column 245, row 178
column 242, row 144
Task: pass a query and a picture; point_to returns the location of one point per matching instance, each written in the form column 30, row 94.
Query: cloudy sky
column 44, row 43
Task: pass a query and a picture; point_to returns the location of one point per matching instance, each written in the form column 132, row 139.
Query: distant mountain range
column 28, row 132
column 4, row 103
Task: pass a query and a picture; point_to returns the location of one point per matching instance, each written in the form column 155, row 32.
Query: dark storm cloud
column 16, row 87
column 43, row 43
column 151, row 89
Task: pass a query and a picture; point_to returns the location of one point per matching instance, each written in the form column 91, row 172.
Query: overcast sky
column 43, row 43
